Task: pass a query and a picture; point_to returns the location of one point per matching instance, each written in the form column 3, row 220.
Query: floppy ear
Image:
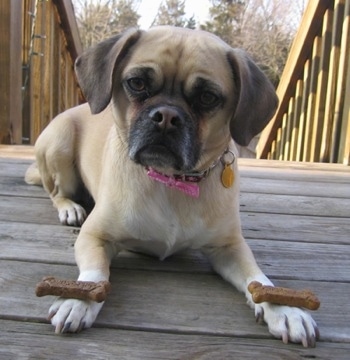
column 96, row 66
column 257, row 99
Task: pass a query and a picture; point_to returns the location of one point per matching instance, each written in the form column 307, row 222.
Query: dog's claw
column 313, row 341
column 285, row 337
column 51, row 315
column 310, row 338
column 317, row 332
column 81, row 326
column 259, row 316
column 305, row 342
column 66, row 327
column 59, row 327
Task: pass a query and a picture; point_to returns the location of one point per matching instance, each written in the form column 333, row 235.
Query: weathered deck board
column 106, row 343
column 56, row 244
column 255, row 225
column 296, row 218
column 253, row 203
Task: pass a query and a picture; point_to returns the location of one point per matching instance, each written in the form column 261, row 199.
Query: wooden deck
column 296, row 218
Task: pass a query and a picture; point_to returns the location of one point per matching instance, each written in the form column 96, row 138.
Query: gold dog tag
column 227, row 176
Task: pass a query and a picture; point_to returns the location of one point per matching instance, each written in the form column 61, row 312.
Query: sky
column 148, row 10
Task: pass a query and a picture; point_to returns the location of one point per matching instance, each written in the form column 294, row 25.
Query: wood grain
column 295, row 218
column 103, row 343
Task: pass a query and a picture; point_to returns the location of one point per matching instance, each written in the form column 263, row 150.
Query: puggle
column 154, row 148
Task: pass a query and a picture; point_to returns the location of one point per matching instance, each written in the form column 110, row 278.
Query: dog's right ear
column 96, row 66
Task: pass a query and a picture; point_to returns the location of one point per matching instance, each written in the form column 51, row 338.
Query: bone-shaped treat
column 283, row 296
column 84, row 290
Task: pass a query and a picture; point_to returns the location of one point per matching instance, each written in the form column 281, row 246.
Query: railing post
column 10, row 72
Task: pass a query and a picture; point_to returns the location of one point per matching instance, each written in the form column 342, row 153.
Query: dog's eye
column 136, row 84
column 208, row 98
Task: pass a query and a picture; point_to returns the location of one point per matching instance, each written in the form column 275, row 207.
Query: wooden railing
column 42, row 43
column 312, row 122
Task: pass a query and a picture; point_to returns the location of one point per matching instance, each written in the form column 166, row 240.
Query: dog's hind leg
column 62, row 184
column 55, row 155
column 66, row 186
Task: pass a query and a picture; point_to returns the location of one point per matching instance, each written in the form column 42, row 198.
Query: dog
column 155, row 148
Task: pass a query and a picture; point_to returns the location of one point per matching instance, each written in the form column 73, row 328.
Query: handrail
column 312, row 122
column 69, row 26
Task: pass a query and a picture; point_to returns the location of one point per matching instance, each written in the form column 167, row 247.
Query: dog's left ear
column 96, row 66
column 257, row 99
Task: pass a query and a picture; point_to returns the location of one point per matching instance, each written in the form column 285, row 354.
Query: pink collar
column 188, row 182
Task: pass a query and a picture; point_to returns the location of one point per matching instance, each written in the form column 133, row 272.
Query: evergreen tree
column 125, row 15
column 172, row 12
column 191, row 23
column 225, row 19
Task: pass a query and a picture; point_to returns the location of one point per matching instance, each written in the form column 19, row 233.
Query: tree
column 264, row 28
column 126, row 16
column 225, row 19
column 100, row 19
column 172, row 12
column 267, row 31
column 191, row 23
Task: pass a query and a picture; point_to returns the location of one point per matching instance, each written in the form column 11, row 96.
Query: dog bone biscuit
column 283, row 296
column 83, row 290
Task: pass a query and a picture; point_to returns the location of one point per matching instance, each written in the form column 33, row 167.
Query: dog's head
column 178, row 94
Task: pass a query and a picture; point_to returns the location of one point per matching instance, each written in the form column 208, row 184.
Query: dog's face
column 179, row 104
column 178, row 95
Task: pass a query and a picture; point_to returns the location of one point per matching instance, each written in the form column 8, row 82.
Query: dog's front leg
column 235, row 262
column 93, row 255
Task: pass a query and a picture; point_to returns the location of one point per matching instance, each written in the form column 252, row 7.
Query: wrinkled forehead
column 182, row 53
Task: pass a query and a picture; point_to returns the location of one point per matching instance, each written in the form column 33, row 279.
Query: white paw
column 71, row 315
column 288, row 323
column 71, row 213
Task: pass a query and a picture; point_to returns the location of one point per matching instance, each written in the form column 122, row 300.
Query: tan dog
column 151, row 148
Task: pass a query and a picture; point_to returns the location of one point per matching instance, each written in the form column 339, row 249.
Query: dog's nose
column 165, row 117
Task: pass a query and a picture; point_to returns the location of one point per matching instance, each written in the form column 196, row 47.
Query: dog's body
column 161, row 102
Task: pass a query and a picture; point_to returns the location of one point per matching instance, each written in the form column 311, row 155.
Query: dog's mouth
column 158, row 156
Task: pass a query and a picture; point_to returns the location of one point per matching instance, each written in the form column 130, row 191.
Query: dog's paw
column 288, row 323
column 71, row 315
column 71, row 213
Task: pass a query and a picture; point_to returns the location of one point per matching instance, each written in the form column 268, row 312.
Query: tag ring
column 228, row 163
